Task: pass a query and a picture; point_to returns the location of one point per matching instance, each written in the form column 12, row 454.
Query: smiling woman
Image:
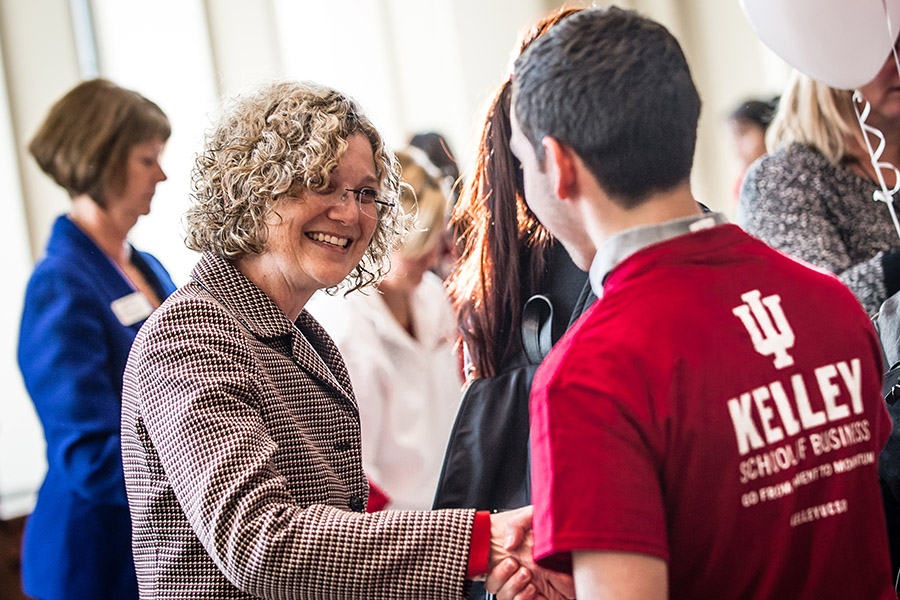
column 316, row 238
column 259, row 146
column 240, row 429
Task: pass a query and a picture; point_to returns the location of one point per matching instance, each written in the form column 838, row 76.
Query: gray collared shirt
column 627, row 242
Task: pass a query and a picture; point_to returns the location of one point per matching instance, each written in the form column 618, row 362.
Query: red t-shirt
column 720, row 408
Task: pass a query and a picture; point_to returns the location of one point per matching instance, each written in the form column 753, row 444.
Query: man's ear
column 559, row 162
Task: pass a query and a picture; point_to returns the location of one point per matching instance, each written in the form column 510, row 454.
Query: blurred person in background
column 811, row 196
column 436, row 150
column 431, row 149
column 397, row 341
column 88, row 295
column 747, row 125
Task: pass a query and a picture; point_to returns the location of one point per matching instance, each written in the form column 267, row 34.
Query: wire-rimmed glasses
column 368, row 201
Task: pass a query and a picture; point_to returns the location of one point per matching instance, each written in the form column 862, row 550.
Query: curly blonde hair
column 266, row 141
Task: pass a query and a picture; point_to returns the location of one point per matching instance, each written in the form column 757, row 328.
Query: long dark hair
column 502, row 247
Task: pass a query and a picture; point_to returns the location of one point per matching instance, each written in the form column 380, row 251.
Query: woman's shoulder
column 432, row 287
column 431, row 295
column 192, row 331
column 190, row 311
column 791, row 173
column 68, row 252
column 787, row 162
column 62, row 274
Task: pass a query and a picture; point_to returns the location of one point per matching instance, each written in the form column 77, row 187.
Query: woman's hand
column 513, row 574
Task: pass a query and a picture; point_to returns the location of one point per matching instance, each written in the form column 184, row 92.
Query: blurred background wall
column 415, row 65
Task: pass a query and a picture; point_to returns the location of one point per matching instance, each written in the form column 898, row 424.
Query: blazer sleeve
column 64, row 356
column 200, row 399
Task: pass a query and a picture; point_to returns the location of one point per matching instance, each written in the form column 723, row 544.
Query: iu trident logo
column 768, row 338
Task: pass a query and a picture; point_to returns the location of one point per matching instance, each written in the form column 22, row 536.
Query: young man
column 711, row 426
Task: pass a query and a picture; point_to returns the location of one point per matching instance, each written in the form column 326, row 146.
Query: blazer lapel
column 309, row 345
column 84, row 255
column 312, row 362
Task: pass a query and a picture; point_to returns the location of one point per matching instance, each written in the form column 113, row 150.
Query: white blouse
column 408, row 389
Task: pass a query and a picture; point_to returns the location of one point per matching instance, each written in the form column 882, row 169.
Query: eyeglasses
column 368, row 202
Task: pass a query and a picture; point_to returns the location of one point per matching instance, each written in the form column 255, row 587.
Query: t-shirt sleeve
column 596, row 454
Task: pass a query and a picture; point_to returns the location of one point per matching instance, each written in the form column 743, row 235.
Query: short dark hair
column 84, row 141
column 615, row 87
column 756, row 112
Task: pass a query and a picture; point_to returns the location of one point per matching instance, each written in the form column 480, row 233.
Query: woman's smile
column 330, row 239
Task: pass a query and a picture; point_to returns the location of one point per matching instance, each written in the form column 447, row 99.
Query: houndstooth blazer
column 241, row 448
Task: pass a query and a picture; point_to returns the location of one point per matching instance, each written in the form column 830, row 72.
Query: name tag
column 131, row 309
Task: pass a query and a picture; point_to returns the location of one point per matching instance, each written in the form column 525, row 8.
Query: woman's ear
column 559, row 163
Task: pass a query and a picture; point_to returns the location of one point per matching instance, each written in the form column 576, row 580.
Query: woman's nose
column 344, row 208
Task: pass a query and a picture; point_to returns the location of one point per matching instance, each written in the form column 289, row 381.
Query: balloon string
column 893, row 38
column 884, row 194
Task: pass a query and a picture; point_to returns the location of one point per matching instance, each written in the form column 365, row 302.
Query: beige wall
column 730, row 65
column 40, row 63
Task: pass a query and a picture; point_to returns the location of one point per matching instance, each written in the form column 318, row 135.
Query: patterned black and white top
column 241, row 448
column 798, row 202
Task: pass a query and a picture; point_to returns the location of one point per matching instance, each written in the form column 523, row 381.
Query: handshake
column 513, row 574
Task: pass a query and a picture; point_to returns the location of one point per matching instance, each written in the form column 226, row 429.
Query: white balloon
column 841, row 43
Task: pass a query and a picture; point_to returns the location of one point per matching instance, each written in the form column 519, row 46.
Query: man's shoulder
column 604, row 331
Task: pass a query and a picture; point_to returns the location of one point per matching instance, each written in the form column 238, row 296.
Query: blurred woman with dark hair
column 506, row 255
column 508, row 265
column 748, row 123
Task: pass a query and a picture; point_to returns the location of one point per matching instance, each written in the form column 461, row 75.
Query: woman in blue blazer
column 85, row 301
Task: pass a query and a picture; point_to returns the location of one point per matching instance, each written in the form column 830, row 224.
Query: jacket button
column 342, row 446
column 357, row 504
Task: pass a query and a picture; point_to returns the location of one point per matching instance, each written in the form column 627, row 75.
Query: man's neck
column 605, row 217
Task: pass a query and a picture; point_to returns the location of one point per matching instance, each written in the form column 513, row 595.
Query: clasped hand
column 513, row 574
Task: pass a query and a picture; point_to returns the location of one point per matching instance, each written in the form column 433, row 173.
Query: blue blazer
column 72, row 353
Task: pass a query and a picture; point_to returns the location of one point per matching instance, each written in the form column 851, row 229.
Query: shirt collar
column 627, row 242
